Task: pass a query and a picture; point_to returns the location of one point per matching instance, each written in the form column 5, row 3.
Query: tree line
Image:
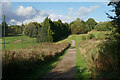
column 52, row 31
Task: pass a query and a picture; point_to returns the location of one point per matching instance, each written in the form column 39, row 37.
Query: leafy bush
column 101, row 36
column 83, row 37
column 104, row 26
column 90, row 36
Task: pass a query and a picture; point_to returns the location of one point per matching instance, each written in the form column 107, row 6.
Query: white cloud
column 12, row 21
column 83, row 11
column 38, row 18
column 27, row 12
column 9, row 13
column 64, row 19
column 30, row 14
column 53, row 17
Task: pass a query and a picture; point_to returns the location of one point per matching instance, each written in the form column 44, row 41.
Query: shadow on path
column 65, row 69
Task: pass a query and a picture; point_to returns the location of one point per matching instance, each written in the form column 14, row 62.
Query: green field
column 27, row 41
column 11, row 42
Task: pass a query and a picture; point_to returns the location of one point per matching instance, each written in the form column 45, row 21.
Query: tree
column 45, row 32
column 6, row 29
column 32, row 29
column 90, row 24
column 41, row 37
column 115, row 19
column 49, row 32
column 104, row 26
column 14, row 29
column 78, row 27
column 60, row 30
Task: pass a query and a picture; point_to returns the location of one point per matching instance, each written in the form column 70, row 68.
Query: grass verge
column 82, row 72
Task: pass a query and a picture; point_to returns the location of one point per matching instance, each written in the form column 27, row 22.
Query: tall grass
column 102, row 58
column 21, row 61
column 108, row 62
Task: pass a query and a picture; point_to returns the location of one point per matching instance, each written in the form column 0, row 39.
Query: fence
column 15, row 41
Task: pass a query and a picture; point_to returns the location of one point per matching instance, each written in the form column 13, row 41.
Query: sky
column 18, row 12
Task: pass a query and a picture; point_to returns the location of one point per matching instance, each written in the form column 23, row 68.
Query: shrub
column 83, row 37
column 90, row 36
column 101, row 36
column 104, row 26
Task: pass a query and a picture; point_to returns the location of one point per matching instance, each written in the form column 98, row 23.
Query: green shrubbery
column 84, row 37
column 101, row 36
column 90, row 36
column 82, row 27
column 15, row 29
column 108, row 62
column 104, row 26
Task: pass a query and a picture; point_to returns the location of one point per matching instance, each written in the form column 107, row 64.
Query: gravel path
column 66, row 67
column 73, row 43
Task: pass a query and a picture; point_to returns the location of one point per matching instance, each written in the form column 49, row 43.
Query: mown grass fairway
column 15, row 42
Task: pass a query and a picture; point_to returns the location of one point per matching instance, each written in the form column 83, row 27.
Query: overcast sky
column 16, row 12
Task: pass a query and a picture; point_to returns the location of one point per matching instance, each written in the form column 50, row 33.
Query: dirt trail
column 66, row 67
column 16, row 41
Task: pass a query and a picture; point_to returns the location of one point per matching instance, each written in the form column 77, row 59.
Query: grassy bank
column 86, row 42
column 47, row 66
column 32, row 62
column 86, row 54
column 81, row 67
